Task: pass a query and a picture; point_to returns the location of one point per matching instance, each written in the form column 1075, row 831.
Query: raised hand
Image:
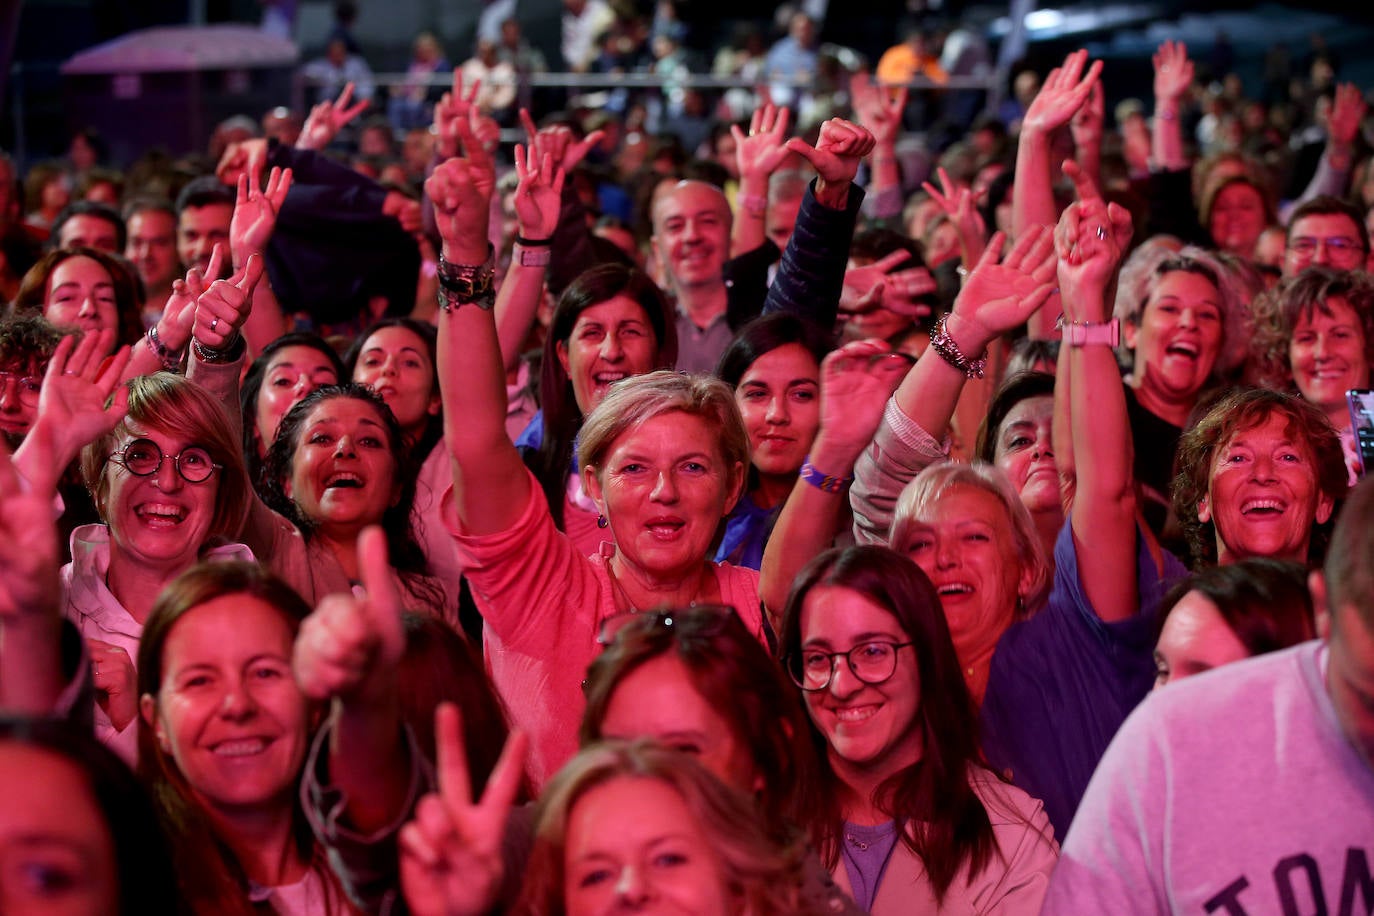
column 461, row 189
column 1086, row 124
column 255, row 212
column 1173, row 72
column 998, row 297
column 538, row 194
column 1090, row 241
column 762, row 150
column 881, row 284
column 838, row 151
column 81, row 401
column 223, row 308
column 1347, row 111
column 327, row 118
column 451, row 861
column 454, row 116
column 856, row 381
column 878, row 108
column 1063, row 93
column 958, row 204
column 349, row 647
column 116, row 682
column 179, row 314
column 559, row 142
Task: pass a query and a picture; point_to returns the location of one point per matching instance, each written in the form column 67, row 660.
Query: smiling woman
column 86, row 289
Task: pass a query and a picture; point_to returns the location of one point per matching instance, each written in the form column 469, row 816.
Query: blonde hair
column 635, row 401
column 764, row 878
column 919, row 497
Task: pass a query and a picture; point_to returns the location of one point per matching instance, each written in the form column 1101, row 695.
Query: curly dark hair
column 27, row 342
column 1233, row 412
column 1279, row 310
column 252, row 388
column 406, row 555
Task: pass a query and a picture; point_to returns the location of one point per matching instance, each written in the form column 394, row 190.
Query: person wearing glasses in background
column 909, row 820
column 1326, row 232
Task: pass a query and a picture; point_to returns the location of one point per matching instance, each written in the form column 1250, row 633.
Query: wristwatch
column 1082, row 333
column 462, row 284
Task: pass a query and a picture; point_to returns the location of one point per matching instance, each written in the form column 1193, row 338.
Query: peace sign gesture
column 328, row 118
column 255, row 211
column 451, row 852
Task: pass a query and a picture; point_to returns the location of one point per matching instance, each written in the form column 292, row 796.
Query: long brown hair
column 945, row 822
column 211, row 876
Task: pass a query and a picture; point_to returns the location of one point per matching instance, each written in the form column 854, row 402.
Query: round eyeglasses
column 27, row 387
column 870, row 662
column 143, row 458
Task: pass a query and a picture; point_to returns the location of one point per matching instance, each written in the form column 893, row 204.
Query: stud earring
column 601, row 521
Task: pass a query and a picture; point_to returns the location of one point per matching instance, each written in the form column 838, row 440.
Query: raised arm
column 1173, row 78
column 811, row 273
column 1064, row 92
column 490, row 483
column 346, row 655
column 31, row 678
column 879, row 108
column 1086, row 126
column 536, row 209
column 1342, row 126
column 255, row 216
column 957, row 203
column 758, row 154
column 327, row 118
column 997, row 297
column 856, row 381
column 1090, row 241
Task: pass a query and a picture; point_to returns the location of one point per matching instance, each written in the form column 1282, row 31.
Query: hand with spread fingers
column 255, row 212
column 999, row 296
column 856, row 382
column 328, row 118
column 760, row 152
column 451, row 863
column 958, row 203
column 350, row 646
column 878, row 108
column 1173, row 72
column 1347, row 113
column 81, row 400
column 1064, row 91
column 882, row 285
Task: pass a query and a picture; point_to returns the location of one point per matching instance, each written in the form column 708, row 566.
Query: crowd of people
column 776, row 524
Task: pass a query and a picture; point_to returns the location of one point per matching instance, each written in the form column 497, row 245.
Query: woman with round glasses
column 169, row 482
column 908, row 819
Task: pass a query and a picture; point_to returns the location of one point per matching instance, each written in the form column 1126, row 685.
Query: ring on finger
column 1101, row 232
column 214, row 323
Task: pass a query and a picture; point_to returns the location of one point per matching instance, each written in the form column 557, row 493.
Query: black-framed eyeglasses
column 28, row 386
column 143, row 458
column 1307, row 246
column 870, row 662
column 698, row 619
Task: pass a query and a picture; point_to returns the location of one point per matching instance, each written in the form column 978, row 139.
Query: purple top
column 1063, row 681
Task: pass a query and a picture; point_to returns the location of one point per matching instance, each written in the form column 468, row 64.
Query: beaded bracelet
column 821, row 480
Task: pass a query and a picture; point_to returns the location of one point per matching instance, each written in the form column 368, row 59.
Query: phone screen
column 1361, row 401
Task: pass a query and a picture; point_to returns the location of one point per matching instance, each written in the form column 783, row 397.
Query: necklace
column 857, row 843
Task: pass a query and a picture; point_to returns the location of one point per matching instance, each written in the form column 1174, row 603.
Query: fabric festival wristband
column 823, row 481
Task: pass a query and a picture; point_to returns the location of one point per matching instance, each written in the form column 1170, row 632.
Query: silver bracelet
column 949, row 351
column 171, row 359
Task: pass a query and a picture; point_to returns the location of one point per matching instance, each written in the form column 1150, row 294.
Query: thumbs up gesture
column 348, row 648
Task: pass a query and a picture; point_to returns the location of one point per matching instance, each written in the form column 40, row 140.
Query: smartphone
column 1361, row 401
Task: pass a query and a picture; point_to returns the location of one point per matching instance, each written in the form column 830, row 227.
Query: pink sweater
column 543, row 604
